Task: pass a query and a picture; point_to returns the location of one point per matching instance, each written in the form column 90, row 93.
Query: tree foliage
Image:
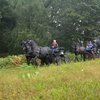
column 45, row 20
column 7, row 23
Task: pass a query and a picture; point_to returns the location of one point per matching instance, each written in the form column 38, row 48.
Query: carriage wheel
column 94, row 56
column 66, row 59
column 99, row 55
column 59, row 60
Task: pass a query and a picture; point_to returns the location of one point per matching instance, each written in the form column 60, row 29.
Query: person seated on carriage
column 94, row 48
column 54, row 46
column 89, row 46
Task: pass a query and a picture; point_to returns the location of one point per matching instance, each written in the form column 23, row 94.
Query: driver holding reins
column 54, row 46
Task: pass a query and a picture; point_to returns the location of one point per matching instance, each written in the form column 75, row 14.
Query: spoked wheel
column 66, row 59
column 59, row 60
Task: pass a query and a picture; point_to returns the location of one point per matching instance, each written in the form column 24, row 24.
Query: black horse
column 79, row 50
column 27, row 54
column 34, row 51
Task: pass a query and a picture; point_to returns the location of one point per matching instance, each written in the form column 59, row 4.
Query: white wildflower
column 28, row 75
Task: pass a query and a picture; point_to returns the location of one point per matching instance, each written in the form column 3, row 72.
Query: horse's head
column 32, row 44
column 28, row 44
column 74, row 45
column 23, row 44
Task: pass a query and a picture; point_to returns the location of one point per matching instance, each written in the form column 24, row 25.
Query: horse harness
column 40, row 52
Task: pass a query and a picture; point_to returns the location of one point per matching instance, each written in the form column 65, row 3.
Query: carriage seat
column 56, row 51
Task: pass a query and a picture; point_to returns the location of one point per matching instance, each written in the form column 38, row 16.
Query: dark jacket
column 95, row 46
column 55, row 46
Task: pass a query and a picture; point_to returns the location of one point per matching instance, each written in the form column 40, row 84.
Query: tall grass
column 76, row 81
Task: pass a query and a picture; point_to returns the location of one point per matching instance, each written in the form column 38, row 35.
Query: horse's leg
column 28, row 60
column 81, row 56
column 76, row 58
column 50, row 58
column 42, row 62
column 47, row 60
column 84, row 56
column 34, row 60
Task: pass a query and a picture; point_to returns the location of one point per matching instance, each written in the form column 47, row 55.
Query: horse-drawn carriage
column 32, row 50
column 93, row 53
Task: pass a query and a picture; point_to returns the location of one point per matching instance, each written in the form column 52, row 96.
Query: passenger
column 54, row 46
column 94, row 47
column 89, row 46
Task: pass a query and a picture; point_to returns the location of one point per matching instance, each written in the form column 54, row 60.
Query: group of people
column 90, row 46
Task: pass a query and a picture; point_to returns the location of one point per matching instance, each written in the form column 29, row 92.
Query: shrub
column 72, row 57
column 12, row 61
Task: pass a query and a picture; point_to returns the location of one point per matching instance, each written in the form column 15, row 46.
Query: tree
column 7, row 23
column 77, row 20
column 32, row 22
column 45, row 20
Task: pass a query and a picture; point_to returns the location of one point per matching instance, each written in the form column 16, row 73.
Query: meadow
column 75, row 81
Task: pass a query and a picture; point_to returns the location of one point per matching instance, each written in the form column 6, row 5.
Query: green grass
column 76, row 81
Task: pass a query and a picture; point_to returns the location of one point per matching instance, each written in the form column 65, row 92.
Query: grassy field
column 76, row 81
